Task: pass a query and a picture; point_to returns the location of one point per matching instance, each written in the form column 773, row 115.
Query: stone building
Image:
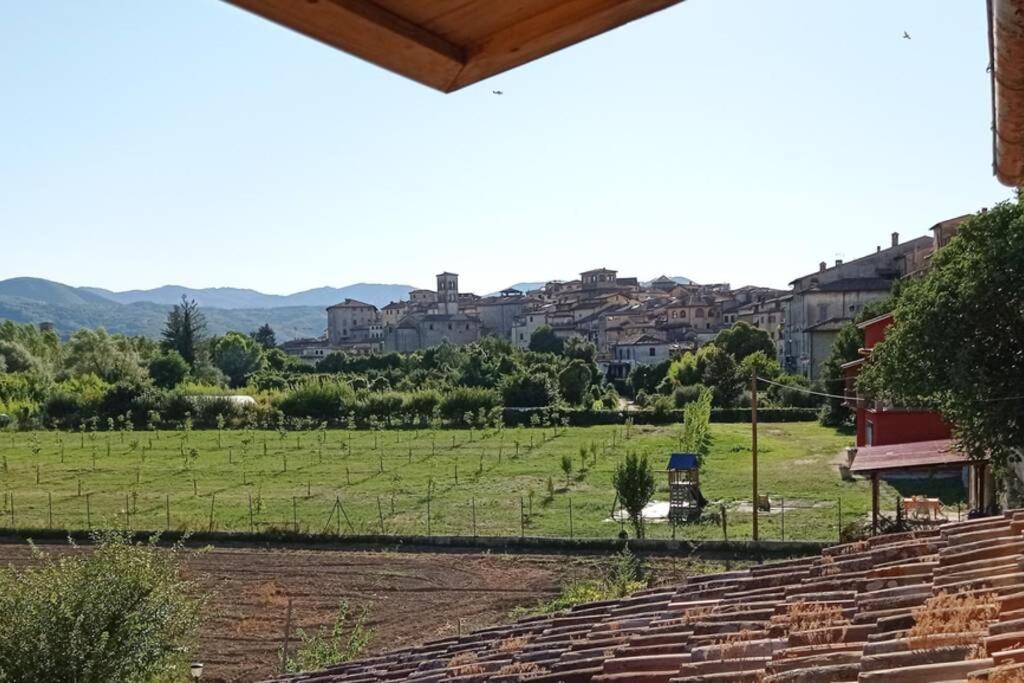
column 430, row 324
column 822, row 303
column 353, row 321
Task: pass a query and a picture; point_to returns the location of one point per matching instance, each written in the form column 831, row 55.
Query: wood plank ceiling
column 449, row 44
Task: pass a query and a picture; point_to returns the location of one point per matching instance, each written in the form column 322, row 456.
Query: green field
column 267, row 480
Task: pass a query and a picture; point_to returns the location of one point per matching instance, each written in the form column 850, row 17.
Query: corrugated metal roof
column 921, row 454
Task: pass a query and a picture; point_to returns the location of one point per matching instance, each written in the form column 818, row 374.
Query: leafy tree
column 634, row 484
column 120, row 613
column 579, row 348
column 544, row 340
column 697, row 425
column 237, row 356
column 574, row 381
column 721, row 374
column 15, row 357
column 524, row 390
column 647, row 378
column 566, row 467
column 743, row 339
column 185, row 329
column 845, row 348
column 168, row 370
column 767, row 367
column 955, row 343
column 264, row 336
column 111, row 358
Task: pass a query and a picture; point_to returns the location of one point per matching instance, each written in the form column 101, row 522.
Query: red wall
column 901, row 426
column 875, row 332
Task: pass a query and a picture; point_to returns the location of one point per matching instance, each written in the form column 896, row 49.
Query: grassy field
column 346, row 481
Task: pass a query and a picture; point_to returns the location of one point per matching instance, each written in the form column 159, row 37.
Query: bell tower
column 448, row 293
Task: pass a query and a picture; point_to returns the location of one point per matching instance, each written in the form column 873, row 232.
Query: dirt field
column 409, row 597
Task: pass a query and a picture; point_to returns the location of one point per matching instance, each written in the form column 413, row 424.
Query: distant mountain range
column 142, row 312
column 231, row 297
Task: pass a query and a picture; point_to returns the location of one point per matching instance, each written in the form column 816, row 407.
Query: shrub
column 422, row 404
column 343, row 642
column 524, row 390
column 318, row 399
column 468, row 400
column 120, row 613
column 686, row 394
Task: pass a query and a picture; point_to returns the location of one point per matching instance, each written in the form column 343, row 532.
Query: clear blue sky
column 188, row 142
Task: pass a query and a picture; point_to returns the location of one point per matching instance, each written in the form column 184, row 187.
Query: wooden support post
column 287, row 637
column 380, row 515
column 167, row 509
column 213, row 500
column 522, row 518
column 725, row 524
column 753, row 443
column 874, row 502
column 570, row 518
column 782, row 514
column 473, row 504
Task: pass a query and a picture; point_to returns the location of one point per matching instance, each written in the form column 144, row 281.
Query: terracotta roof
column 352, row 303
column 844, row 615
column 923, row 454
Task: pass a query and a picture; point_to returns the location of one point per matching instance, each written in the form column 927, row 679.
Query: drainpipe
column 1006, row 63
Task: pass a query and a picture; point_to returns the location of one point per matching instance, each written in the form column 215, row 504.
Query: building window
column 520, row 336
column 449, row 326
column 653, row 351
column 431, row 325
column 699, row 313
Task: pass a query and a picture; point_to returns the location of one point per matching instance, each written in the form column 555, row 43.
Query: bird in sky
column 906, row 36
column 497, row 92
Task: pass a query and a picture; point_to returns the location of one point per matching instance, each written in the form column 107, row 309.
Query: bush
column 422, row 404
column 468, row 400
column 528, row 390
column 120, row 613
column 686, row 394
column 324, row 401
column 342, row 643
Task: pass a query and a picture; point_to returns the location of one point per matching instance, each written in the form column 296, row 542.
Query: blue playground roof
column 683, row 461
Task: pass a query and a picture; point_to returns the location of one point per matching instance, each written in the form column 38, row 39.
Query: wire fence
column 429, row 513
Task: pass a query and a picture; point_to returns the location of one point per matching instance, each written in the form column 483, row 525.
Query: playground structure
column 685, row 499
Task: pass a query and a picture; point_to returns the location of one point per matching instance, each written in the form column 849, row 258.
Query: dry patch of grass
column 956, row 617
column 519, row 668
column 822, row 622
column 465, row 663
column 513, row 644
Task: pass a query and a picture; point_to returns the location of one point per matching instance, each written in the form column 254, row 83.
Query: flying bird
column 497, row 92
column 906, row 36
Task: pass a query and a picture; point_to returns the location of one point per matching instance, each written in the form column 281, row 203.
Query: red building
column 877, row 423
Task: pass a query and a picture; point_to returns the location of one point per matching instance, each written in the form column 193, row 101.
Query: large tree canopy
column 957, row 341
column 743, row 339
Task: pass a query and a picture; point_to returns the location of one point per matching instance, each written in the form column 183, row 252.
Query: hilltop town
column 632, row 322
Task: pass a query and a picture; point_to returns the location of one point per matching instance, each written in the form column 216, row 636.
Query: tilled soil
column 409, row 597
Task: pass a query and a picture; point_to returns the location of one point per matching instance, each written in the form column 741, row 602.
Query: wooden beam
column 565, row 23
column 365, row 30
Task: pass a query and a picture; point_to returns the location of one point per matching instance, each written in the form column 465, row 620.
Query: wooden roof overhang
column 449, row 44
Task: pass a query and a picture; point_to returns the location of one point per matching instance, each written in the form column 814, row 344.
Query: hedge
column 588, row 418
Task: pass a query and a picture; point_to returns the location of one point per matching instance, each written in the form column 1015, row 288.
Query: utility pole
column 753, row 442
